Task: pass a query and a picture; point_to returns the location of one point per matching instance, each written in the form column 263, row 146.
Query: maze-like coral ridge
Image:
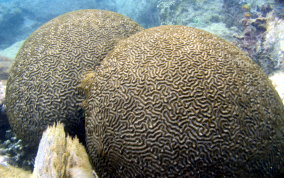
column 176, row 101
column 42, row 87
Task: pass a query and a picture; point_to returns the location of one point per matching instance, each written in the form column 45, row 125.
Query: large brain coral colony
column 42, row 87
column 177, row 101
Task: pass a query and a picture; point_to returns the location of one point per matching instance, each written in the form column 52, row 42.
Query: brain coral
column 175, row 101
column 42, row 87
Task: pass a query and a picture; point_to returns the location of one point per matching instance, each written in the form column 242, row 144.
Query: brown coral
column 175, row 101
column 42, row 87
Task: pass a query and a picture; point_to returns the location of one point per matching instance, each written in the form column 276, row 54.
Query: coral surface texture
column 42, row 86
column 175, row 101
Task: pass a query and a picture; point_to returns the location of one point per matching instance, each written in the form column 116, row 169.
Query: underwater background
column 255, row 26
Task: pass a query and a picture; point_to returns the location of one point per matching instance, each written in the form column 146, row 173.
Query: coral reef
column 189, row 12
column 273, row 42
column 263, row 38
column 278, row 7
column 251, row 41
column 234, row 10
column 42, row 84
column 252, row 22
column 142, row 122
column 176, row 101
column 195, row 14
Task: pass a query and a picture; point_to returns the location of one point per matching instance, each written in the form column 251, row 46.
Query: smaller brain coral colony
column 43, row 81
column 176, row 101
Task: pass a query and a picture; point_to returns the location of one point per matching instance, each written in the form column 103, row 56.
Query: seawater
column 229, row 19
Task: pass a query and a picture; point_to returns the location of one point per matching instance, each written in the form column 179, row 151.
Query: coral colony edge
column 91, row 93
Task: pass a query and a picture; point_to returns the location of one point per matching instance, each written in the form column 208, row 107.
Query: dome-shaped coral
column 176, row 101
column 42, row 87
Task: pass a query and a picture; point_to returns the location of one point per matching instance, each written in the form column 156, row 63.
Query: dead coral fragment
column 58, row 156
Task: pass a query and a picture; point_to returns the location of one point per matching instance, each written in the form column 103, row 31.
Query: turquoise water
column 255, row 26
column 19, row 18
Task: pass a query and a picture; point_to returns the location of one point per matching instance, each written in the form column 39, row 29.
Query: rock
column 4, row 160
column 195, row 14
column 14, row 151
column 274, row 40
column 2, row 90
column 263, row 40
column 13, row 172
column 277, row 79
column 4, row 123
column 58, row 156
